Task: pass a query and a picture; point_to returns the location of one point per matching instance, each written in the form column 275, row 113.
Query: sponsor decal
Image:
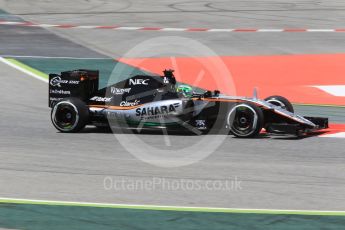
column 60, row 91
column 73, row 82
column 127, row 103
column 57, row 81
column 138, row 81
column 157, row 111
column 119, row 91
column 102, row 99
column 55, row 98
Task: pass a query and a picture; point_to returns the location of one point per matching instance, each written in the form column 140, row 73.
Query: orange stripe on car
column 115, row 107
column 227, row 100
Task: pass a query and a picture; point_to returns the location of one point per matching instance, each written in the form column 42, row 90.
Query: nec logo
column 138, row 81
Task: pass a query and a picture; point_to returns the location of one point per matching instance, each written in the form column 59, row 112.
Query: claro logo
column 127, row 103
column 138, row 81
column 57, row 81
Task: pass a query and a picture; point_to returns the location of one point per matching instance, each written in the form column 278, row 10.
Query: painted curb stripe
column 172, row 208
column 335, row 90
column 238, row 30
column 25, row 69
column 334, row 135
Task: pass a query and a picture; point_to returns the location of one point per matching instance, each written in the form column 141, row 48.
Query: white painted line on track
column 334, row 135
column 42, row 25
column 128, row 28
column 220, row 30
column 270, row 30
column 173, row 29
column 170, row 208
column 321, row 30
column 11, row 23
column 86, row 27
column 3, row 60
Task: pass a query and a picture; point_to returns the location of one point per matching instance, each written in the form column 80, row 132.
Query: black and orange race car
column 156, row 102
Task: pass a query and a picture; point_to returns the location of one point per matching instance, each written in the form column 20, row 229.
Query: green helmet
column 186, row 90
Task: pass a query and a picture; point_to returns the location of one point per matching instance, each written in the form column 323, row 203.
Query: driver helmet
column 186, row 90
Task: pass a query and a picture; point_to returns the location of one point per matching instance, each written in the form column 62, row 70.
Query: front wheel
column 70, row 115
column 281, row 102
column 245, row 120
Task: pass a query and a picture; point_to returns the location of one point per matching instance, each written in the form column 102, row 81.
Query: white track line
column 220, row 30
column 335, row 135
column 166, row 207
column 173, row 29
column 128, row 28
column 43, row 25
column 3, row 60
column 12, row 23
column 320, row 30
column 87, row 27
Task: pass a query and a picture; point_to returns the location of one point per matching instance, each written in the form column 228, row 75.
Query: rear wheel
column 70, row 115
column 281, row 102
column 245, row 120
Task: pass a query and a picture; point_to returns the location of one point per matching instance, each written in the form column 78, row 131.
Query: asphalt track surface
column 39, row 163
column 198, row 14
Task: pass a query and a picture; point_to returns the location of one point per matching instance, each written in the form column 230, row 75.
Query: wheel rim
column 65, row 116
column 277, row 103
column 243, row 120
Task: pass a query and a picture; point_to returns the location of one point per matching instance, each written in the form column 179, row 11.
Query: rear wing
column 76, row 83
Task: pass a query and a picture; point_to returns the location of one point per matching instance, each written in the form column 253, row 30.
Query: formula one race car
column 156, row 102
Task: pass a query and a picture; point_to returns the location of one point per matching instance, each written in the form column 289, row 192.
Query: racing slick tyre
column 245, row 120
column 281, row 102
column 70, row 115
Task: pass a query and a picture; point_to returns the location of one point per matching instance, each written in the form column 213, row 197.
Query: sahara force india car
column 156, row 102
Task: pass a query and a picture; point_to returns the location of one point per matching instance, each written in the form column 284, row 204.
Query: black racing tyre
column 281, row 102
column 70, row 115
column 245, row 120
